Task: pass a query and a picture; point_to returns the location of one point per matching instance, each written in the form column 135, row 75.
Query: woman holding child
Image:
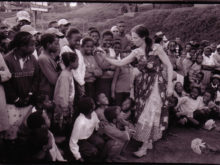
column 151, row 88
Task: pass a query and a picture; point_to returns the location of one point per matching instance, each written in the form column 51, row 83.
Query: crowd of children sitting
column 56, row 84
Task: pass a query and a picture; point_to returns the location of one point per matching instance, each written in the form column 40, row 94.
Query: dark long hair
column 143, row 32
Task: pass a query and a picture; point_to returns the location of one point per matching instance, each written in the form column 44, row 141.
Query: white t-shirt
column 208, row 60
column 83, row 128
column 188, row 105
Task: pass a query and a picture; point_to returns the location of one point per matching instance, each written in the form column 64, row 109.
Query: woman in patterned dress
column 151, row 88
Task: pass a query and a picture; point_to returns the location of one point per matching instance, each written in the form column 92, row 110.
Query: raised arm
column 166, row 61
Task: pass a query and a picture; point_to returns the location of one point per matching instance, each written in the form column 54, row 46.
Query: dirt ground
column 176, row 148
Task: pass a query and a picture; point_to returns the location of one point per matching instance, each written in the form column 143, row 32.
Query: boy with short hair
column 117, row 138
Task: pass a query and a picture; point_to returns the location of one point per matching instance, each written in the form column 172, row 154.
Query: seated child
column 172, row 103
column 127, row 110
column 117, row 137
column 39, row 144
column 214, row 83
column 199, row 78
column 197, row 66
column 206, row 108
column 85, row 143
column 178, row 90
column 217, row 98
column 64, row 93
column 102, row 103
column 186, row 106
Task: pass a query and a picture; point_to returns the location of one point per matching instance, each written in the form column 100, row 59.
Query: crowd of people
column 99, row 90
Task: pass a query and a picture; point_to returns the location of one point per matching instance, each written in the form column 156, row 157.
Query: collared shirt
column 188, row 105
column 83, row 128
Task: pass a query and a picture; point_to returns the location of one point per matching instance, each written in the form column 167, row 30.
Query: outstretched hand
column 100, row 52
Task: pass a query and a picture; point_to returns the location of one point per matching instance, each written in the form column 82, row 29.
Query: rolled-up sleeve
column 74, row 148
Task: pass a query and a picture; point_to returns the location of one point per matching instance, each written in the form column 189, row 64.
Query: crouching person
column 85, row 144
column 40, row 143
column 117, row 138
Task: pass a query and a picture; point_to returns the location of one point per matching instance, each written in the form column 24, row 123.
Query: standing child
column 121, row 84
column 93, row 71
column 197, row 66
column 65, row 91
column 214, row 84
column 207, row 65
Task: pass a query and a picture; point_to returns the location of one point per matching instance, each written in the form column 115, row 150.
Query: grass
column 189, row 23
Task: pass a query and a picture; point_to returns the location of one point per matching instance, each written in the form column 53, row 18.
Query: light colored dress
column 150, row 98
column 5, row 75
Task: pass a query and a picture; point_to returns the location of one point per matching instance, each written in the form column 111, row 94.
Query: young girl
column 187, row 105
column 189, row 61
column 92, row 69
column 121, row 84
column 197, row 66
column 102, row 103
column 65, row 91
column 207, row 65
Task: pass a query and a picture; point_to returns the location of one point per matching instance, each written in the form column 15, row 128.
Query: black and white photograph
column 109, row 82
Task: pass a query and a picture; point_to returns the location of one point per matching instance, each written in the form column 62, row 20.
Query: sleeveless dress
column 150, row 98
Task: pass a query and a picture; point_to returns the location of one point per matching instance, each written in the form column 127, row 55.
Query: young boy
column 102, row 103
column 85, row 143
column 117, row 138
column 205, row 109
column 186, row 106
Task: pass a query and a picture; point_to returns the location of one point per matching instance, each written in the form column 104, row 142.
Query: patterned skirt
column 16, row 116
column 148, row 127
column 4, row 124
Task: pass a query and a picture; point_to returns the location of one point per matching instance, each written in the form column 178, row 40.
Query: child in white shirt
column 85, row 143
column 187, row 105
